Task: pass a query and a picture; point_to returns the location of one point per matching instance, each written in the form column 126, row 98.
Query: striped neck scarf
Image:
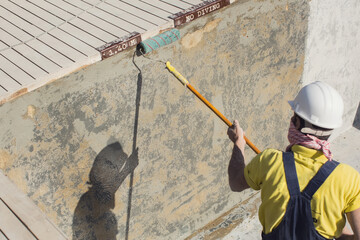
column 295, row 137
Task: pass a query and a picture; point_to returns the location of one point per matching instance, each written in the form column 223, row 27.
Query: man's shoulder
column 346, row 169
column 268, row 156
column 271, row 152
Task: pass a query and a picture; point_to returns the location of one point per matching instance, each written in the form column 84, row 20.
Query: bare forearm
column 354, row 220
column 236, row 168
column 347, row 234
column 347, row 237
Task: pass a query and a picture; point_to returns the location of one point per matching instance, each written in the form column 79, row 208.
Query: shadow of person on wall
column 93, row 217
column 356, row 122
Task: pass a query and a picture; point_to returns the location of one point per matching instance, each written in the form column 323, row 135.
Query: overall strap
column 319, row 178
column 290, row 173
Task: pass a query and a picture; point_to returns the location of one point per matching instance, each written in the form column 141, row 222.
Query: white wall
column 333, row 50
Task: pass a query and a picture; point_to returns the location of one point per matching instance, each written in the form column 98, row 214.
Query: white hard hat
column 319, row 104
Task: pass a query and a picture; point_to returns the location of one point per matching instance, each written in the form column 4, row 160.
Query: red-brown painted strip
column 198, row 11
column 119, row 45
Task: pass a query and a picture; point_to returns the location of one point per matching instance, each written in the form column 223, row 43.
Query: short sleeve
column 353, row 199
column 256, row 170
column 251, row 176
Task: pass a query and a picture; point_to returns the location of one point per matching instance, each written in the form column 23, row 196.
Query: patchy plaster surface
column 191, row 40
column 224, row 226
column 72, row 145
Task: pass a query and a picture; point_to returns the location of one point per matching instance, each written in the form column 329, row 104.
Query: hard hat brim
column 292, row 105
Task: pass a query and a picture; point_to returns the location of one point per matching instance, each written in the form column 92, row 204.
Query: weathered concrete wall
column 246, row 59
column 333, row 49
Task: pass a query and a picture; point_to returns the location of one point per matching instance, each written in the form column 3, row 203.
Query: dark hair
column 326, row 132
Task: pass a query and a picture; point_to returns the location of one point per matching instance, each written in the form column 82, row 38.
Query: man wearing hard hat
column 305, row 193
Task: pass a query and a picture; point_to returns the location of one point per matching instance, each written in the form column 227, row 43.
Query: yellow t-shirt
column 339, row 194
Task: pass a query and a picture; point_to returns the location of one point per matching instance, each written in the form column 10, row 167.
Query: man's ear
column 297, row 121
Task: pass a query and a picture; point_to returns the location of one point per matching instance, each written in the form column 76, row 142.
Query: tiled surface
column 41, row 40
column 21, row 218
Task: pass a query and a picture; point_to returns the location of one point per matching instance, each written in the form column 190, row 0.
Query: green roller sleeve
column 158, row 41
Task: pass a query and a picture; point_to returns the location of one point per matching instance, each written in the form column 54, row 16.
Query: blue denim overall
column 297, row 223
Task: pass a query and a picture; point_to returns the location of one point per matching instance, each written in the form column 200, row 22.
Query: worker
column 305, row 193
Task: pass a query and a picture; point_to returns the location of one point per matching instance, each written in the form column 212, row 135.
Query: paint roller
column 166, row 38
column 158, row 41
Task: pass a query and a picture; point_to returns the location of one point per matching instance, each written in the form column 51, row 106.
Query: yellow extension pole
column 183, row 80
